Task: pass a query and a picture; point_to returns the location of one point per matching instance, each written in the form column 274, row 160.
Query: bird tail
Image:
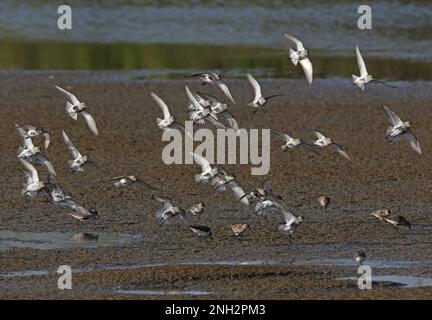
column 294, row 56
column 354, row 78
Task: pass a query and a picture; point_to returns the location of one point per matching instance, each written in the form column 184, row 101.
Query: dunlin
column 79, row 160
column 259, row 100
column 214, row 78
column 323, row 141
column 397, row 220
column 381, row 214
column 364, row 78
column 75, row 107
column 202, row 231
column 324, row 201
column 400, row 129
column 359, row 257
column 239, row 228
column 123, row 181
column 168, row 211
column 300, row 55
column 197, row 209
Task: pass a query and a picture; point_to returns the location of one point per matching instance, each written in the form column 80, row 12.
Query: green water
column 175, row 60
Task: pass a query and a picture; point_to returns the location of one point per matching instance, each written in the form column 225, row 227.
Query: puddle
column 404, row 281
column 164, row 292
column 61, row 240
column 345, row 262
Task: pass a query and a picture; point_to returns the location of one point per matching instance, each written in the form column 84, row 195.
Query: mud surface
column 261, row 264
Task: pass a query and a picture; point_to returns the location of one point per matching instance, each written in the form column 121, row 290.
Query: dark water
column 236, row 36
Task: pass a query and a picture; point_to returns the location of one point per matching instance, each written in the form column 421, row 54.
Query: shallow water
column 143, row 292
column 317, row 262
column 60, row 240
column 405, row 281
column 217, row 35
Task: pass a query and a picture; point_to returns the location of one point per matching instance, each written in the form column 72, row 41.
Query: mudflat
column 146, row 261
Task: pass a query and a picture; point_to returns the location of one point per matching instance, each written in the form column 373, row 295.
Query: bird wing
column 394, row 119
column 69, row 96
column 88, row 118
column 287, row 216
column 319, row 135
column 307, row 68
column 56, row 187
column 267, row 186
column 140, row 181
column 31, row 169
column 215, row 122
column 162, row 105
column 224, row 89
column 298, row 43
column 118, row 178
column 25, row 142
column 283, row 135
column 72, row 149
column 230, row 119
column 361, row 63
column 192, row 99
column 47, row 139
column 166, row 202
column 255, row 85
column 413, row 142
column 45, row 162
column 339, row 149
column 309, row 147
column 203, row 162
column 185, row 218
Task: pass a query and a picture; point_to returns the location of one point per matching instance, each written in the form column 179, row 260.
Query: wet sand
column 381, row 175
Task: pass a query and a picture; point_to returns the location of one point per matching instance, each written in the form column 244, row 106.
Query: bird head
column 94, row 212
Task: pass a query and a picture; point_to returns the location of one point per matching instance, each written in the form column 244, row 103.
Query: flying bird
column 78, row 211
column 300, row 55
column 323, row 141
column 291, row 221
column 75, row 107
column 207, row 172
column 400, row 129
column 291, row 143
column 214, row 78
column 31, row 131
column 398, row 220
column 259, row 101
column 219, row 109
column 79, row 161
column 168, row 120
column 54, row 192
column 32, row 184
column 364, row 77
column 198, row 113
column 168, row 211
column 123, row 181
column 28, row 151
column 381, row 214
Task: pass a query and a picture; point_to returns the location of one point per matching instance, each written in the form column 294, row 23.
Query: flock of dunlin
column 202, row 108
